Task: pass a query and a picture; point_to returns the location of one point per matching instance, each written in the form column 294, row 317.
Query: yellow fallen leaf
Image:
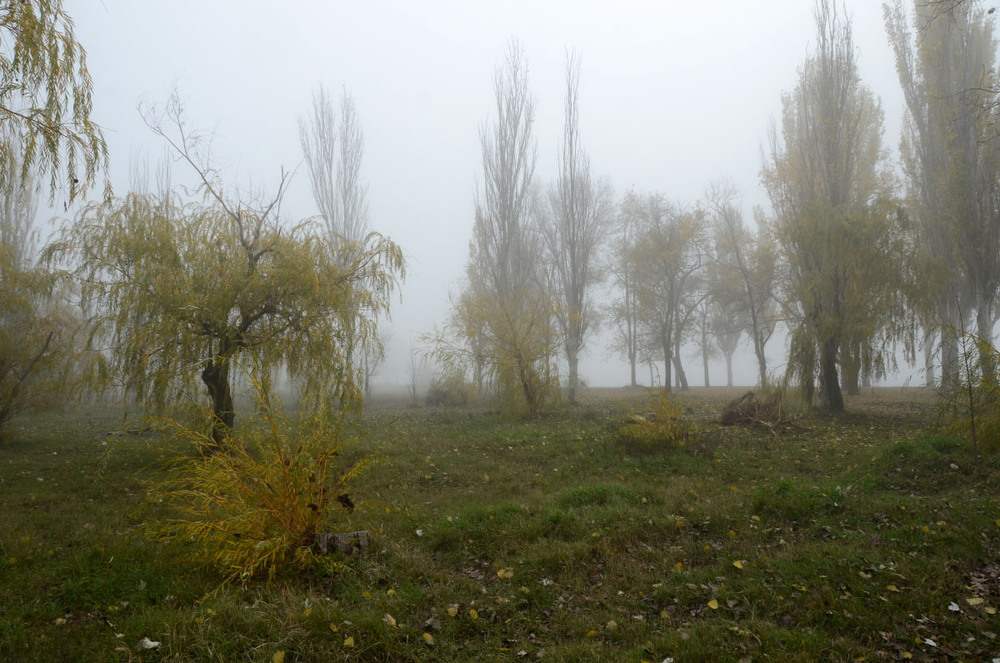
column 428, row 638
column 612, row 625
column 389, row 620
column 738, row 564
column 990, row 611
column 906, row 654
column 892, row 588
column 349, row 641
column 505, row 573
column 473, row 613
column 713, row 604
column 307, row 612
column 279, row 657
column 731, row 533
column 679, row 565
column 333, row 627
column 452, row 610
column 591, row 633
column 974, row 601
column 390, row 592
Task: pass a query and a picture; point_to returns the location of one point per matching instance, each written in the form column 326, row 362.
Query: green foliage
column 662, row 428
column 970, row 403
column 256, row 509
column 45, row 97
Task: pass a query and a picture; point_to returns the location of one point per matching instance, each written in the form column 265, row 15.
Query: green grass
column 866, row 537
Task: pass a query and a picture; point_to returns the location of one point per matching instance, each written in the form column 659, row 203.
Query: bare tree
column 745, row 275
column 334, row 152
column 623, row 310
column 574, row 230
column 502, row 322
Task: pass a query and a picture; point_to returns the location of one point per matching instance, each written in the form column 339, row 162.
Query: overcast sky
column 673, row 94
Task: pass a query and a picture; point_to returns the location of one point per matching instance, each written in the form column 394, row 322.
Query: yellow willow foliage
column 255, row 509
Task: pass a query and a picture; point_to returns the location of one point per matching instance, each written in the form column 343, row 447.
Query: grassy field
column 862, row 537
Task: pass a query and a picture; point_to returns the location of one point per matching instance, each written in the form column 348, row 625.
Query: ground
column 863, row 537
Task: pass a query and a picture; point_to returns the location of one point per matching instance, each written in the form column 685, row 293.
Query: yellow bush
column 663, row 427
column 255, row 508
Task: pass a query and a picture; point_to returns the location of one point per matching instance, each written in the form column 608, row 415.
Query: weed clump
column 662, row 428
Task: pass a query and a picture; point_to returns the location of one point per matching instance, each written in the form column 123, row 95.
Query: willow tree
column 45, row 98
column 181, row 292
column 45, row 129
column 831, row 192
column 574, row 230
column 952, row 164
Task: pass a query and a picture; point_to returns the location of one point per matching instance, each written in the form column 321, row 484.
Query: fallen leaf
column 713, row 604
column 612, row 625
column 146, row 643
column 349, row 641
column 473, row 613
column 452, row 609
column 428, row 638
column 738, row 564
column 974, row 601
column 279, row 656
column 389, row 620
column 954, row 607
column 591, row 633
column 505, row 573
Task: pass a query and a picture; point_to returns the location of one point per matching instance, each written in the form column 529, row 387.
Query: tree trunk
column 704, row 352
column 631, row 363
column 573, row 359
column 930, row 379
column 682, row 381
column 851, row 367
column 215, row 375
column 729, row 369
column 667, row 374
column 831, row 396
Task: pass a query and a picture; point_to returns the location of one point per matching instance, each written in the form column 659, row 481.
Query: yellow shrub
column 663, row 427
column 256, row 507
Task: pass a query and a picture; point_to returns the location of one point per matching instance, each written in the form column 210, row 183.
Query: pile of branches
column 751, row 410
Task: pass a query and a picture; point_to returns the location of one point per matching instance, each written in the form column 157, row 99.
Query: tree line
column 857, row 259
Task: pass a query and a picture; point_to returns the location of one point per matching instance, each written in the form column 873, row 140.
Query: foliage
column 663, row 427
column 45, row 98
column 970, row 402
column 37, row 340
column 257, row 509
column 450, row 388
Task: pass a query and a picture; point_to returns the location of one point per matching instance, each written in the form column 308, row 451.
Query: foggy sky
column 672, row 96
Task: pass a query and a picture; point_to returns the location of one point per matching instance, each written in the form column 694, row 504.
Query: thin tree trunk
column 832, row 397
column 729, row 369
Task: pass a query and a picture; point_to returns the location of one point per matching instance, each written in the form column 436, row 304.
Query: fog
column 672, row 96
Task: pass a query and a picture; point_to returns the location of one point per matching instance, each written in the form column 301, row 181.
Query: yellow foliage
column 663, row 427
column 256, row 508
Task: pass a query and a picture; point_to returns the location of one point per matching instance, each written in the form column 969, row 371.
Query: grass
column 866, row 536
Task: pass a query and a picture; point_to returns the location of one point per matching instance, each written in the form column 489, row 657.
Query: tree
column 503, row 321
column 333, row 154
column 831, row 193
column 952, row 166
column 624, row 310
column 37, row 350
column 45, row 128
column 574, row 231
column 668, row 259
column 45, row 98
column 181, row 291
column 744, row 276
